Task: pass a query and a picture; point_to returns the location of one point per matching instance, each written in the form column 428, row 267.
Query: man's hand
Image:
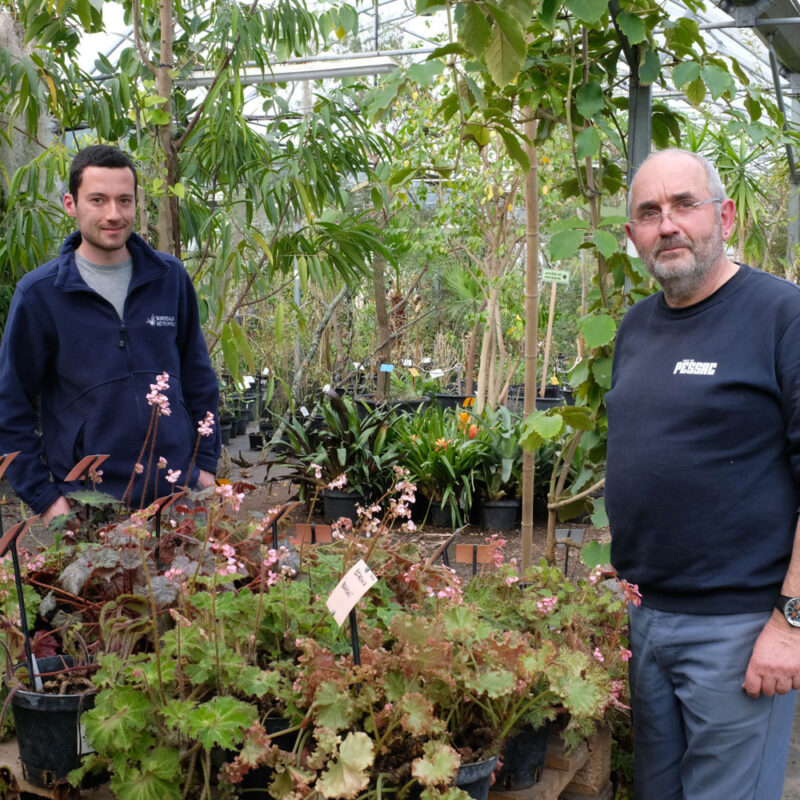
column 59, row 508
column 205, row 479
column 774, row 666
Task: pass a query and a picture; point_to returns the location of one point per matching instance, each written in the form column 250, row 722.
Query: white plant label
column 304, row 411
column 407, row 362
column 436, row 373
column 350, row 589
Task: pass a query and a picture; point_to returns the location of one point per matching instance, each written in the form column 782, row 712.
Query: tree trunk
column 168, row 228
column 531, row 326
column 382, row 321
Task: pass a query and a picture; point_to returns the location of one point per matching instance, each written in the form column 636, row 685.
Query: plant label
column 350, row 589
column 407, row 362
column 304, row 411
column 555, row 275
column 436, row 373
column 413, row 372
column 387, row 367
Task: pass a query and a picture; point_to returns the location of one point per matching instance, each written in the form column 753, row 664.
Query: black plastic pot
column 454, row 400
column 476, row 778
column 225, row 432
column 48, row 727
column 499, row 515
column 440, row 517
column 256, row 441
column 336, row 504
column 239, row 426
column 523, row 758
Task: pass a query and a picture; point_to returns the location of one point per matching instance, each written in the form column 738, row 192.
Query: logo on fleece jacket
column 155, row 321
column 688, row 366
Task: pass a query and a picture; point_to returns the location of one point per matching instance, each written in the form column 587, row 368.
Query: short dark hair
column 98, row 155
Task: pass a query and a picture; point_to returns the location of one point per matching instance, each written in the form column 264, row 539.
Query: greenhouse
column 400, row 400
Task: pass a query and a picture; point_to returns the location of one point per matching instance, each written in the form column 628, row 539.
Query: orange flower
column 473, row 431
column 463, row 416
column 440, row 444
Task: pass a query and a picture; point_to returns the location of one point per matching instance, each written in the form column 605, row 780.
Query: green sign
column 555, row 275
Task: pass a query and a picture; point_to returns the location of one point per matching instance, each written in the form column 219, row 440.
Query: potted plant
column 499, row 472
column 349, row 454
column 442, row 452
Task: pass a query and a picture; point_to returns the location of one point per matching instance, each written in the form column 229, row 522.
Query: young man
column 702, row 494
column 86, row 336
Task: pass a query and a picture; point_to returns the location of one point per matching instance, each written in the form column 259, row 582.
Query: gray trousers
column 697, row 735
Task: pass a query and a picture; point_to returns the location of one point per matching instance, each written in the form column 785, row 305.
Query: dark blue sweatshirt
column 69, row 364
column 704, row 446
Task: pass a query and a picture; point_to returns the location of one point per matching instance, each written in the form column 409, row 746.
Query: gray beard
column 680, row 286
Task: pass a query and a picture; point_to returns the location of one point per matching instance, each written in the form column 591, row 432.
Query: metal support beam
column 640, row 125
column 793, row 206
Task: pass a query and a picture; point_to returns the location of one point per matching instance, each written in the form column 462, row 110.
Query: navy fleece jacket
column 704, row 446
column 70, row 365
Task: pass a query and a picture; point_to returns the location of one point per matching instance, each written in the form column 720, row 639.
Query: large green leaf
column 424, row 73
column 505, row 52
column 601, row 369
column 597, row 329
column 696, row 91
column 348, row 775
column 649, row 66
column 587, row 10
column 718, row 80
column 589, row 99
column 475, row 30
column 594, row 554
column 588, row 142
column 138, row 784
column 221, row 721
column 634, row 29
column 685, row 72
column 605, row 242
column 438, row 765
column 565, row 244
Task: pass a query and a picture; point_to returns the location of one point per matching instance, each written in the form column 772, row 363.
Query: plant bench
column 584, row 773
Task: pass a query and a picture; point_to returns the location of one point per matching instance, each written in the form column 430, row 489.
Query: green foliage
column 441, row 457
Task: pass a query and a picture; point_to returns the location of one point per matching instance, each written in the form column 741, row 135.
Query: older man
column 702, row 494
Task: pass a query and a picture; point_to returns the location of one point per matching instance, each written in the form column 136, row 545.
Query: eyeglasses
column 678, row 211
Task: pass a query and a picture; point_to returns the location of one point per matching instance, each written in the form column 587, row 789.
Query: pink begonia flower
column 173, row 475
column 631, row 592
column 205, row 426
column 317, row 470
column 338, row 483
column 546, row 604
column 138, row 469
column 162, row 463
column 155, row 396
column 598, row 655
column 96, row 475
column 625, row 654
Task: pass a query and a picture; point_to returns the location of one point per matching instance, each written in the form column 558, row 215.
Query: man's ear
column 69, row 204
column 727, row 215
